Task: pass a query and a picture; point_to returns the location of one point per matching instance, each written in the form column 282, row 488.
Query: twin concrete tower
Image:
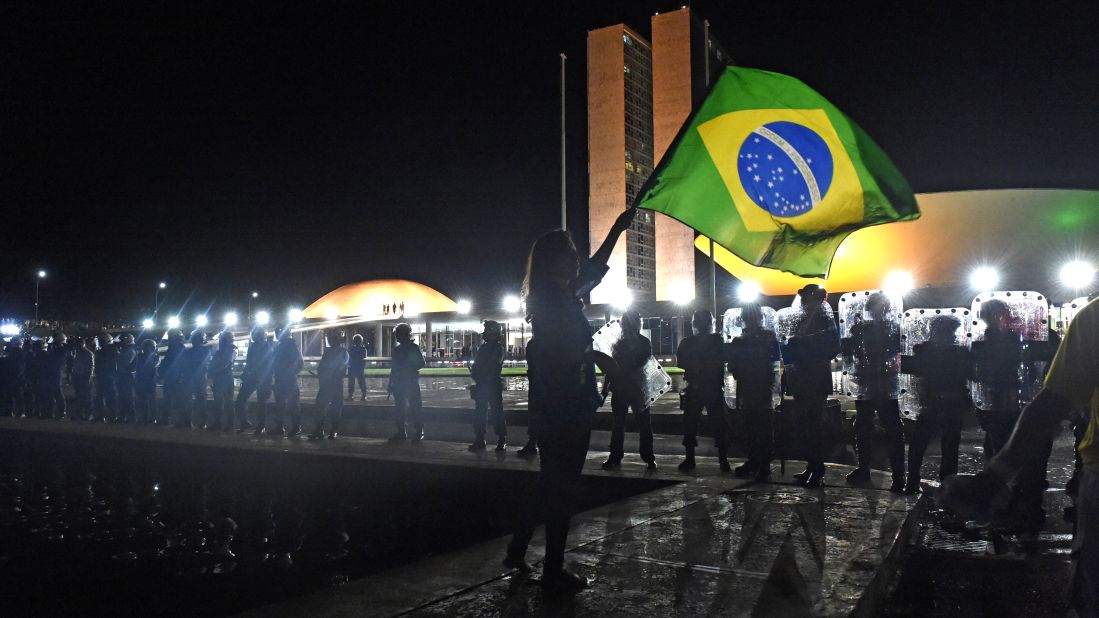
column 639, row 95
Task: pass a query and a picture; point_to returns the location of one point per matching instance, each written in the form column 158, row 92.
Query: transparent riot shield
column 869, row 327
column 732, row 328
column 732, row 325
column 653, row 379
column 1009, row 332
column 1068, row 311
column 915, row 330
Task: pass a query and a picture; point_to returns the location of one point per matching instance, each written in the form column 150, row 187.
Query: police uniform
column 329, row 403
column 404, row 384
column 287, row 363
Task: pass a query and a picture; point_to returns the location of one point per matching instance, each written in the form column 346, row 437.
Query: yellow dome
column 377, row 299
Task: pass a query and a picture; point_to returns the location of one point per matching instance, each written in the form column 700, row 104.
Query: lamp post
column 156, row 303
column 251, row 297
column 37, row 280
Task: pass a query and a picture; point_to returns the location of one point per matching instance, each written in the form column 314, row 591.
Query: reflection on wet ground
column 160, row 530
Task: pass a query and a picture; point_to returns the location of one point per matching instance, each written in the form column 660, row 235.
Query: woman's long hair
column 547, row 249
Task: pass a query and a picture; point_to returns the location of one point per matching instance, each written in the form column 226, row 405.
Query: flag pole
column 713, row 260
column 564, row 212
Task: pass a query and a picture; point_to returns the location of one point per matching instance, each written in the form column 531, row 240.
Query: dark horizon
column 293, row 150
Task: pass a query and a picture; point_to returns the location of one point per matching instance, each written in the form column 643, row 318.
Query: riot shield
column 916, row 330
column 732, row 328
column 1009, row 335
column 732, row 325
column 869, row 327
column 653, row 379
column 1069, row 310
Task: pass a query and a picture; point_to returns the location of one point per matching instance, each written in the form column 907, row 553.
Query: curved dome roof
column 371, row 298
column 1028, row 233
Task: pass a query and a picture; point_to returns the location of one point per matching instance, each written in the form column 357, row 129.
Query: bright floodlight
column 1077, row 274
column 9, row 330
column 173, row 322
column 295, row 315
column 201, row 320
column 255, row 294
column 984, row 279
column 147, row 323
column 464, row 306
column 898, row 283
column 41, row 274
column 512, row 304
column 163, row 285
column 230, row 319
column 331, row 313
column 748, row 292
column 682, row 293
column 262, row 318
column 623, row 300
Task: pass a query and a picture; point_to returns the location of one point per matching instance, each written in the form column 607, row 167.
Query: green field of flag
column 773, row 172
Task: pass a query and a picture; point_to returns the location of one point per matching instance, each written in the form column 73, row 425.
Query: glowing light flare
column 230, row 319
column 163, row 285
column 331, row 313
column 295, row 314
column 1077, row 274
column 898, row 283
column 682, row 293
column 9, row 330
column 201, row 320
column 263, row 318
column 41, row 274
column 147, row 323
column 512, row 304
column 984, row 278
column 464, row 306
column 748, row 292
column 623, row 300
column 173, row 322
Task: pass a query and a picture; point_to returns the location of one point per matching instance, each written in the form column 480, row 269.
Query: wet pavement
column 705, row 543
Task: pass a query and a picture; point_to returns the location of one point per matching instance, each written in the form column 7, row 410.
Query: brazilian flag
column 773, row 172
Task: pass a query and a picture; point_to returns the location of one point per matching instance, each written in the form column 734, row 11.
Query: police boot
column 860, row 475
column 530, row 449
column 478, row 444
column 723, row 460
column 688, row 462
column 746, row 469
column 613, row 462
column 501, row 443
column 417, row 434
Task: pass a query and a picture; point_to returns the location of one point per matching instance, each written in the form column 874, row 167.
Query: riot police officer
column 145, row 367
column 106, row 379
column 15, row 376
column 80, row 376
column 404, row 385
column 488, row 389
column 943, row 366
column 330, row 372
column 753, row 357
column 702, row 358
column 807, row 356
column 287, row 364
column 56, row 359
column 356, row 368
column 127, row 358
column 873, row 349
column 221, row 382
column 257, row 378
column 169, row 372
column 630, row 353
column 193, row 366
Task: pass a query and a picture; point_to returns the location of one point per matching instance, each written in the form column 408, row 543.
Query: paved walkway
column 704, row 544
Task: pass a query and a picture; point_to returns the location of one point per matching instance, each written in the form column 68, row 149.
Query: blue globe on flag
column 785, row 168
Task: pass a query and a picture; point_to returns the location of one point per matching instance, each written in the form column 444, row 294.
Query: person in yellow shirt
column 1073, row 379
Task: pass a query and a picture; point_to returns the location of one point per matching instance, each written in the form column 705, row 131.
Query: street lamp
column 464, row 306
column 156, row 303
column 512, row 304
column 37, row 280
column 262, row 318
column 230, row 319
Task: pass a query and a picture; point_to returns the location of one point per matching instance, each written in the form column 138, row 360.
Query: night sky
column 291, row 148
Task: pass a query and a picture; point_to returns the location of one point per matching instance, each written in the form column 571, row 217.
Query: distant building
column 639, row 94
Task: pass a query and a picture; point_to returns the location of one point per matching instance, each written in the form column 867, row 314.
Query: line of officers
column 116, row 381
